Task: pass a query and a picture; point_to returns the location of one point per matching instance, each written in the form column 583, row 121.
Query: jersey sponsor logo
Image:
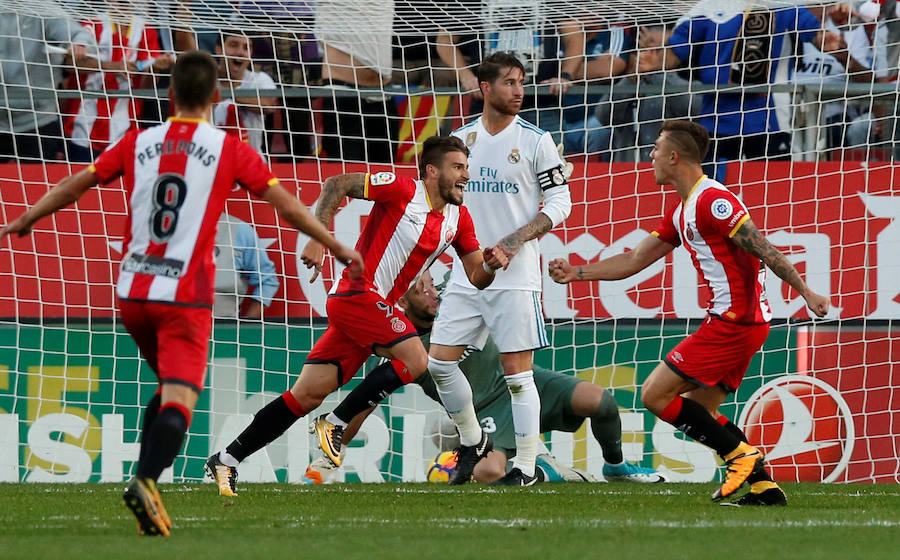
column 488, row 186
column 721, row 208
column 382, row 178
column 470, row 138
column 804, row 426
column 514, row 156
column 154, row 266
column 397, row 325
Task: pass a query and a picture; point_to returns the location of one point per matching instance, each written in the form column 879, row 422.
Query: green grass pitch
column 344, row 521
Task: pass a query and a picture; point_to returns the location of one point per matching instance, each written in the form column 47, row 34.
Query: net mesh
column 821, row 398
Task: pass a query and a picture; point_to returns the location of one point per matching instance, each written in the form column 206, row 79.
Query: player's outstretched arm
column 511, row 244
column 334, row 190
column 748, row 238
column 298, row 215
column 480, row 266
column 63, row 194
column 616, row 267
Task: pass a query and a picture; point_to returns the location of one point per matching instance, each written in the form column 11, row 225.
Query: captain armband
column 552, row 177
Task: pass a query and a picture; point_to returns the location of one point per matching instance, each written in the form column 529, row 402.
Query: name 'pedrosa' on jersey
column 168, row 147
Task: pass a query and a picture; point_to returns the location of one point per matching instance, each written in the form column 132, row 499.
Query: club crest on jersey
column 398, row 325
column 557, row 177
column 451, row 233
column 470, row 138
column 721, row 208
column 689, row 233
column 382, row 178
column 514, row 156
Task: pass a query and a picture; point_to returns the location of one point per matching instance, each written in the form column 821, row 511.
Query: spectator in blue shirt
column 241, row 264
column 751, row 48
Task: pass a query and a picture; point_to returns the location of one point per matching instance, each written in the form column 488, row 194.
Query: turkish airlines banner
column 834, row 221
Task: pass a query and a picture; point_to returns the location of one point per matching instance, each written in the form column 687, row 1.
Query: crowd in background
column 603, row 85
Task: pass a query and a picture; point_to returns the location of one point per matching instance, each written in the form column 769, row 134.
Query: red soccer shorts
column 173, row 339
column 356, row 325
column 718, row 353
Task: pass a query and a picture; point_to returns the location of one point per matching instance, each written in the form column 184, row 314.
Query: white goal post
column 822, row 397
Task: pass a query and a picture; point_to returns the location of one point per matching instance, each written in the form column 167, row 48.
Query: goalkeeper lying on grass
column 566, row 402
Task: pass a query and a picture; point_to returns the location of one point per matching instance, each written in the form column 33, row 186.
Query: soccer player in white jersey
column 411, row 224
column 517, row 192
column 688, row 386
column 176, row 176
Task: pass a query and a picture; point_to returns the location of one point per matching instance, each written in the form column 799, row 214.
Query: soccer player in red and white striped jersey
column 177, row 176
column 728, row 251
column 412, row 223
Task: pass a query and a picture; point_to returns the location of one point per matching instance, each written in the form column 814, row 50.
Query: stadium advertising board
column 69, row 404
column 835, row 221
column 70, row 408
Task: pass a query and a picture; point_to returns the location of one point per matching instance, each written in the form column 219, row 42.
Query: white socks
column 526, row 413
column 226, row 459
column 456, row 395
column 332, row 417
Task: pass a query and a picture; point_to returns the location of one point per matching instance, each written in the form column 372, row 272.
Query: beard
column 504, row 108
column 448, row 192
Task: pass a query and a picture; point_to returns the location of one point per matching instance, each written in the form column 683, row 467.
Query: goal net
column 804, row 126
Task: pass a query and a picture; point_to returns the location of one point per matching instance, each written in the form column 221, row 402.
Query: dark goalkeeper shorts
column 555, row 390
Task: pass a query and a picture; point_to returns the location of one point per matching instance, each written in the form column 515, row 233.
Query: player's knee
column 651, row 402
column 488, row 471
column 605, row 406
column 173, row 419
column 440, row 369
column 417, row 365
column 589, row 400
column 306, row 398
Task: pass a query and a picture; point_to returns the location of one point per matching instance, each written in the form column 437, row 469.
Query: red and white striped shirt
column 404, row 236
column 177, row 176
column 98, row 122
column 705, row 222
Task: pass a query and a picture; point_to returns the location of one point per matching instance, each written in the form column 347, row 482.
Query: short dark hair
column 690, row 139
column 194, row 79
column 492, row 67
column 434, row 148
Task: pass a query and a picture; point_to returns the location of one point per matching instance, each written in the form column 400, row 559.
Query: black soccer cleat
column 516, row 477
column 770, row 497
column 467, row 456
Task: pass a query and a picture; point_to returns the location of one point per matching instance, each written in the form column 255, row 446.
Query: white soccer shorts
column 513, row 317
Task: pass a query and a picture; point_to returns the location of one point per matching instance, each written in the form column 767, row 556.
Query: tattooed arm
column 748, row 238
column 334, row 190
column 511, row 244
